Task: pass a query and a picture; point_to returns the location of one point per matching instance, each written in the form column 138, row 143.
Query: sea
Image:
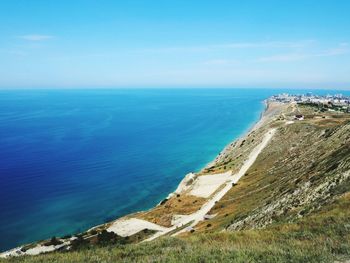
column 73, row 159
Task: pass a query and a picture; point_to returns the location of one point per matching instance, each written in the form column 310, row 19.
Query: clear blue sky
column 159, row 43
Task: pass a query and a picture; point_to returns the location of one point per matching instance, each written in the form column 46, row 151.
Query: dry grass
column 297, row 154
column 179, row 205
column 320, row 237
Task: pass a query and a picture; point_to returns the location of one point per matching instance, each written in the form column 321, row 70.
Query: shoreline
column 187, row 180
column 254, row 126
column 191, row 175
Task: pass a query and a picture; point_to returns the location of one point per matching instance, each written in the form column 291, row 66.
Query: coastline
column 188, row 222
column 271, row 109
column 192, row 175
column 184, row 184
column 254, row 126
column 189, row 179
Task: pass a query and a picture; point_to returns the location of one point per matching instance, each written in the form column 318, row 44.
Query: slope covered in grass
column 323, row 236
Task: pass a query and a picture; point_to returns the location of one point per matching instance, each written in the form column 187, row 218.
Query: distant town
column 337, row 102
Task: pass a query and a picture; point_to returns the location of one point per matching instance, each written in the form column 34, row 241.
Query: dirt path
column 199, row 215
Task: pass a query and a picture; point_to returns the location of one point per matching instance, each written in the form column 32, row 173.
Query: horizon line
column 167, row 87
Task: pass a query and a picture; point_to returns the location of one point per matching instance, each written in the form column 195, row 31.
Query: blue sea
column 72, row 159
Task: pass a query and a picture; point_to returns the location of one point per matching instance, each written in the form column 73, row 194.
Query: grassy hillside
column 306, row 165
column 323, row 236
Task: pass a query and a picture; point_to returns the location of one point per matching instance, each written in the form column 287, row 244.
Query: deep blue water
column 73, row 159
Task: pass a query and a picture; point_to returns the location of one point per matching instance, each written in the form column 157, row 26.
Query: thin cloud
column 235, row 45
column 343, row 49
column 220, row 62
column 180, row 49
column 36, row 37
column 284, row 58
column 268, row 44
column 217, row 62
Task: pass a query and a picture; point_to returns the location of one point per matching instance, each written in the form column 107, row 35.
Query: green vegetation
column 304, row 167
column 326, row 107
column 103, row 238
column 323, row 236
column 53, row 242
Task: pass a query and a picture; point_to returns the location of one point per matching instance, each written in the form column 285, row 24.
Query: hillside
column 321, row 237
column 284, row 197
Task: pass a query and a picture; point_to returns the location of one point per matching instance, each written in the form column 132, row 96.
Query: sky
column 182, row 43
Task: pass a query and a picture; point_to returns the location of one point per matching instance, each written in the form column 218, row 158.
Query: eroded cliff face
column 305, row 166
column 313, row 167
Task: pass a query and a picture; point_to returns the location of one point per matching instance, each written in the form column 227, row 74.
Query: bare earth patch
column 206, row 185
column 128, row 227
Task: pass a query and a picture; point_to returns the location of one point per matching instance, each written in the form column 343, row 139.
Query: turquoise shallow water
column 73, row 159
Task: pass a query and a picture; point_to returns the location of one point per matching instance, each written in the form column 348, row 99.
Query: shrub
column 79, row 243
column 53, row 242
column 106, row 238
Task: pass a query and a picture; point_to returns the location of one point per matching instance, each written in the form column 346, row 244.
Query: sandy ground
column 186, row 183
column 178, row 219
column 129, row 227
column 12, row 253
column 206, row 185
column 39, row 249
column 42, row 249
